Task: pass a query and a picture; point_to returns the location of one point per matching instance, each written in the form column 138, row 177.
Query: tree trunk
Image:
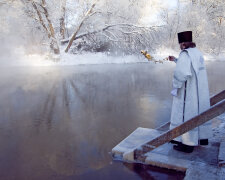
column 54, row 44
column 40, row 18
column 78, row 29
column 62, row 19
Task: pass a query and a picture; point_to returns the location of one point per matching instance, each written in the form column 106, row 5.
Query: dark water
column 62, row 122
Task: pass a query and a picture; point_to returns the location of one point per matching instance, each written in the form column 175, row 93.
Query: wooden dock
column 150, row 146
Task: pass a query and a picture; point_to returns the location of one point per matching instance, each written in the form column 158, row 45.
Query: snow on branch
column 123, row 28
column 80, row 25
column 44, row 20
column 40, row 18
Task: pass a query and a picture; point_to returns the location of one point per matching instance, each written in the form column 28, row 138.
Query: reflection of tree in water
column 69, row 145
column 46, row 113
column 56, row 105
column 86, row 115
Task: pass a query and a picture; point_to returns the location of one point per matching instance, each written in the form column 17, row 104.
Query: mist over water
column 62, row 122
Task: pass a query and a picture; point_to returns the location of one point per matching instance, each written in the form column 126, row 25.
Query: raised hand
column 171, row 58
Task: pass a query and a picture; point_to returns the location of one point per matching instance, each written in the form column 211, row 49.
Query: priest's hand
column 171, row 58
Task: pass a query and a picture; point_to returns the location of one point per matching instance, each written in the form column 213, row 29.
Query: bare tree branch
column 80, row 25
column 40, row 18
column 119, row 26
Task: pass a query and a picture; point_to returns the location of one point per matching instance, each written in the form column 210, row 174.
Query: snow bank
column 98, row 58
column 219, row 131
column 211, row 57
column 20, row 58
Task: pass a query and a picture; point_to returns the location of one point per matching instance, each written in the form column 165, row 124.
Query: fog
column 63, row 121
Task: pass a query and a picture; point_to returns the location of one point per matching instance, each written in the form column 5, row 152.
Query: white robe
column 190, row 72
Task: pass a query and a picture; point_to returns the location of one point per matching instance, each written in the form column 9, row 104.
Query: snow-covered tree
column 115, row 26
column 42, row 14
column 204, row 18
column 111, row 25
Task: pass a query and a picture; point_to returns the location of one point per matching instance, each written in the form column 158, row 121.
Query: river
column 62, row 122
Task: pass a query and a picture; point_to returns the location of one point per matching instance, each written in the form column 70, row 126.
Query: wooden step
column 165, row 156
column 133, row 141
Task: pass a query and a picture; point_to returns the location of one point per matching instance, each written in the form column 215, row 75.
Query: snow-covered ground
column 219, row 129
column 69, row 59
column 20, row 58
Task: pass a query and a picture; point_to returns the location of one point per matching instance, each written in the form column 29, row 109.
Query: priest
column 190, row 94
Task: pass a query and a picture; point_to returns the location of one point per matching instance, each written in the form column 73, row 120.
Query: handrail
column 213, row 100
column 214, row 111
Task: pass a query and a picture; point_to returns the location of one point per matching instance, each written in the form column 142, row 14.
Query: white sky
column 152, row 11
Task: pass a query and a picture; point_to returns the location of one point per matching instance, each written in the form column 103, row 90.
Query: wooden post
column 196, row 121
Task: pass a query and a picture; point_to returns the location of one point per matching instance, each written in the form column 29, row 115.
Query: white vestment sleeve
column 182, row 71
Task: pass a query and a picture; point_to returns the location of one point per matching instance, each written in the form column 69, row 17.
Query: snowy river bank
column 62, row 122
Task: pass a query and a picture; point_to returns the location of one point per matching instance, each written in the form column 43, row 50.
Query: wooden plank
column 134, row 140
column 165, row 161
column 217, row 98
column 213, row 100
column 211, row 113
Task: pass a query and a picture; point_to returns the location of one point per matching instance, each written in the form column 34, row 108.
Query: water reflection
column 150, row 173
column 60, row 123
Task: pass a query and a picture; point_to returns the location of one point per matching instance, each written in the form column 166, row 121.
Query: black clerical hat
column 185, row 36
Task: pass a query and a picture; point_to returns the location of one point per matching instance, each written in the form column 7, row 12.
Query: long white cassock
column 188, row 102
